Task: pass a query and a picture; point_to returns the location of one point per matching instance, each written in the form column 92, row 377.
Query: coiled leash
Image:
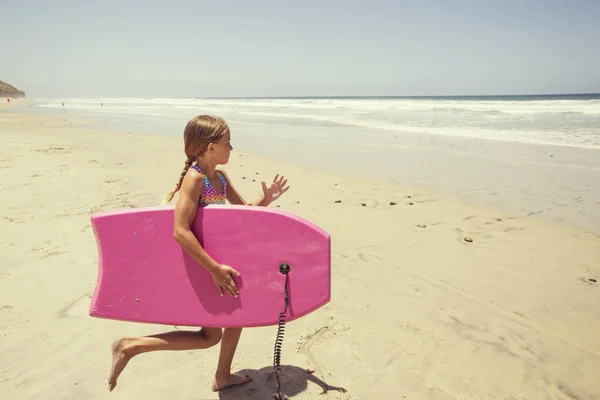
column 284, row 268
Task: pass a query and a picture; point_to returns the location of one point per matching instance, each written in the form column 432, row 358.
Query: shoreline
column 416, row 310
column 551, row 181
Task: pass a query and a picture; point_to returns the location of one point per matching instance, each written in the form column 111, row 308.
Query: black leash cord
column 280, row 333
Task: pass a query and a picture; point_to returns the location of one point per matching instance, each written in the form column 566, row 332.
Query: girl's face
column 221, row 149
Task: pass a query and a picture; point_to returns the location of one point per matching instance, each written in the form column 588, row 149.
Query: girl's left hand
column 276, row 189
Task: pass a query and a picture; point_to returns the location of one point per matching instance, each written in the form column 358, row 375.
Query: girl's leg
column 223, row 377
column 126, row 348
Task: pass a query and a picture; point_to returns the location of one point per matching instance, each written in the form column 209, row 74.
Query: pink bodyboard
column 145, row 276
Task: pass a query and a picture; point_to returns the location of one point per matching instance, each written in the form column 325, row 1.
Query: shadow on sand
column 294, row 380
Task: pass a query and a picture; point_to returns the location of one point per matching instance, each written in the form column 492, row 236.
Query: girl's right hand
column 223, row 279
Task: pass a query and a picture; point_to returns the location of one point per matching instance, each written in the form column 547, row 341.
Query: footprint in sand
column 52, row 254
column 511, row 229
column 113, row 203
column 78, row 308
column 16, row 220
column 568, row 391
column 54, row 150
column 45, row 253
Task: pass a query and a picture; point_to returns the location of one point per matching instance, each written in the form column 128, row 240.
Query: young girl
column 207, row 142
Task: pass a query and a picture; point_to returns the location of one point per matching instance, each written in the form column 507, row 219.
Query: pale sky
column 126, row 48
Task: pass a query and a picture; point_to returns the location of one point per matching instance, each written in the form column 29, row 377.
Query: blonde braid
column 199, row 132
column 188, row 164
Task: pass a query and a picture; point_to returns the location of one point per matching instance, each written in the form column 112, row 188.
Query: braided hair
column 199, row 132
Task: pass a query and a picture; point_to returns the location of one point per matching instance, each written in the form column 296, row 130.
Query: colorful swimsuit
column 210, row 194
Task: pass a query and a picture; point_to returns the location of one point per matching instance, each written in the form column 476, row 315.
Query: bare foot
column 120, row 358
column 231, row 380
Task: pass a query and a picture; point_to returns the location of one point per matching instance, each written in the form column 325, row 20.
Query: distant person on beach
column 207, row 142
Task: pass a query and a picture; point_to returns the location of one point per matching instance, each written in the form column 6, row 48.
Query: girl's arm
column 185, row 212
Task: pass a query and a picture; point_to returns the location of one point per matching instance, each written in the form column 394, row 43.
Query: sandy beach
column 417, row 312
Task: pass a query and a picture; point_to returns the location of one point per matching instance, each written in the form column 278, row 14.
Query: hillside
column 7, row 90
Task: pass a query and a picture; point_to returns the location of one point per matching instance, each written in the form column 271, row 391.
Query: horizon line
column 406, row 96
column 594, row 94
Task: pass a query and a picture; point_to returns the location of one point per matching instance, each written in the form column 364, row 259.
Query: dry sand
column 416, row 312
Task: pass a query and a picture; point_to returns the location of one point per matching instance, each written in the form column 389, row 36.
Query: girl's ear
column 211, row 147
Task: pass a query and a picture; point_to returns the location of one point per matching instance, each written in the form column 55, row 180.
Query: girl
column 207, row 142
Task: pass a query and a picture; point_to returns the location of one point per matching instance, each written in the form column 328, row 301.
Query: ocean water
column 532, row 155
column 566, row 120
